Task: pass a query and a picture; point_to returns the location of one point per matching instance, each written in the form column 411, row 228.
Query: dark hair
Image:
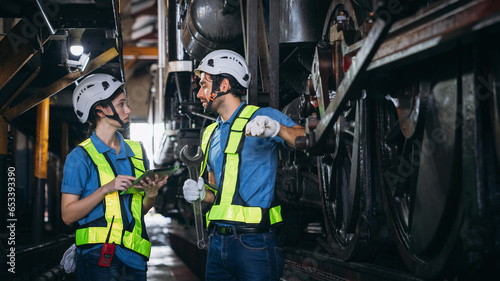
column 236, row 88
column 92, row 120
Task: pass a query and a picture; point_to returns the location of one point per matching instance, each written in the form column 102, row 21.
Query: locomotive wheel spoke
column 340, row 191
column 417, row 174
column 339, row 172
column 341, row 187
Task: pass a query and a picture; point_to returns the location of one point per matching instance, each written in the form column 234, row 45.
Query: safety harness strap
column 205, row 144
column 134, row 240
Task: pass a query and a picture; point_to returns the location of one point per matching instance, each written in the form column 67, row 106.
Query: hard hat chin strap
column 216, row 81
column 212, row 97
column 116, row 117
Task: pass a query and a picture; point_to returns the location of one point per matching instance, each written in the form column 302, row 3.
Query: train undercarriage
column 399, row 167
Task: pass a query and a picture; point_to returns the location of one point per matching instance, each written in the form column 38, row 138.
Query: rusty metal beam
column 41, row 152
column 434, row 27
column 408, row 39
column 20, row 89
column 60, row 85
column 351, row 85
column 18, row 47
column 150, row 52
column 129, row 63
column 42, row 139
column 134, row 53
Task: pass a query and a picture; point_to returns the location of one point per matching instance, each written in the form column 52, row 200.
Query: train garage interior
column 397, row 176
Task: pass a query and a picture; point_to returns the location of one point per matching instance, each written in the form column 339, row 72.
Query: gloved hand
column 194, row 190
column 262, row 126
column 68, row 260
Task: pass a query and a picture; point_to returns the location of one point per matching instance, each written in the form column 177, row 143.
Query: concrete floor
column 164, row 264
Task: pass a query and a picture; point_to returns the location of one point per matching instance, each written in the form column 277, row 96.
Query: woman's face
column 121, row 106
column 120, row 103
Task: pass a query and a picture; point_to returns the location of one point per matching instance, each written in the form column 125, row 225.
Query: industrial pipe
column 41, row 150
column 45, row 18
column 162, row 26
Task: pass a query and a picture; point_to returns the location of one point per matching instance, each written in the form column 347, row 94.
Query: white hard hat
column 93, row 88
column 225, row 62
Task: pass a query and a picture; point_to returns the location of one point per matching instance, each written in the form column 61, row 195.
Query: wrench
column 193, row 163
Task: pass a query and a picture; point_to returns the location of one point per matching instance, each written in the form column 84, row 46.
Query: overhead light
column 76, row 47
column 80, row 64
column 76, row 50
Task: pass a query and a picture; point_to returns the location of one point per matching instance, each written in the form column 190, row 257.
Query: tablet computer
column 162, row 172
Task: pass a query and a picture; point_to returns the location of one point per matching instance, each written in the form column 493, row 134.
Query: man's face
column 206, row 90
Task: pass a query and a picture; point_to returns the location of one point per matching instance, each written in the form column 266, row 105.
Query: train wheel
column 494, row 106
column 418, row 146
column 345, row 179
column 345, row 174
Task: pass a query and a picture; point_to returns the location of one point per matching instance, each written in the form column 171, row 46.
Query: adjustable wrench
column 193, row 163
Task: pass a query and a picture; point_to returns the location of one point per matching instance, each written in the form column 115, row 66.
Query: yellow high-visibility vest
column 224, row 208
column 113, row 206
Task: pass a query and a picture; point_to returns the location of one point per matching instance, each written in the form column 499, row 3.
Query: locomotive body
column 401, row 156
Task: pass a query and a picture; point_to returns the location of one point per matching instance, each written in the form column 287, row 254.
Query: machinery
column 399, row 167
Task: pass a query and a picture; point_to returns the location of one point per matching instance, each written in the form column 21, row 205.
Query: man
column 241, row 156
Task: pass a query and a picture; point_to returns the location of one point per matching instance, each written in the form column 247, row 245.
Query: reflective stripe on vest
column 224, row 209
column 97, row 235
column 205, row 142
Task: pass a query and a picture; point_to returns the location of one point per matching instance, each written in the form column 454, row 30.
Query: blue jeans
column 88, row 269
column 245, row 257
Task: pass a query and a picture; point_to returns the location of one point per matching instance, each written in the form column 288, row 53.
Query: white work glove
column 194, row 190
column 262, row 126
column 68, row 260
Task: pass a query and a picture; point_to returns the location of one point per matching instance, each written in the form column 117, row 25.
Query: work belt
column 230, row 230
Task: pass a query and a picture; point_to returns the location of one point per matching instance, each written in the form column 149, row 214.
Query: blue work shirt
column 259, row 158
column 80, row 177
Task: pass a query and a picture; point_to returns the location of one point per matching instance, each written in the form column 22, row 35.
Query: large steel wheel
column 345, row 186
column 345, row 173
column 494, row 103
column 418, row 141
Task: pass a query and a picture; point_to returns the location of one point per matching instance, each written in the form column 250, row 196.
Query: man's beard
column 214, row 106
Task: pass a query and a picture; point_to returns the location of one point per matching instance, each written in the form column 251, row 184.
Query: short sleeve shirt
column 259, row 158
column 80, row 177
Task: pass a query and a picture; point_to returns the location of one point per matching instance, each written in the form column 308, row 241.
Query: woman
column 95, row 173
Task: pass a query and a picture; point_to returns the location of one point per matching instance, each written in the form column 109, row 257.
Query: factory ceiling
column 118, row 38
